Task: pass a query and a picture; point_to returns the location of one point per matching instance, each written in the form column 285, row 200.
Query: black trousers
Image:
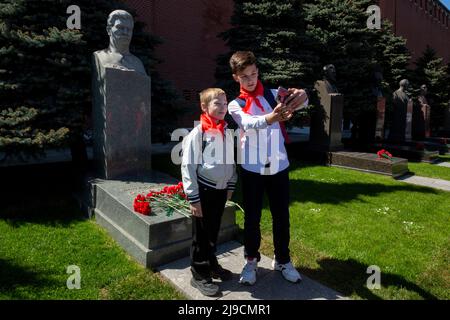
column 277, row 188
column 205, row 231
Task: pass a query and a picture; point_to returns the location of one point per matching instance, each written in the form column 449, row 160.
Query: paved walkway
column 443, row 164
column 426, row 182
column 270, row 284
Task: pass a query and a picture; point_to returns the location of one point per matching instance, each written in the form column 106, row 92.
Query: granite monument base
column 122, row 124
column 152, row 240
column 369, row 162
column 441, row 144
column 408, row 152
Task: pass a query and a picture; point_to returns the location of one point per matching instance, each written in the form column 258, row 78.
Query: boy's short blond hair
column 207, row 95
column 241, row 60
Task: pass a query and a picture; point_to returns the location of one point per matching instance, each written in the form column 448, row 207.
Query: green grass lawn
column 42, row 232
column 342, row 222
column 429, row 170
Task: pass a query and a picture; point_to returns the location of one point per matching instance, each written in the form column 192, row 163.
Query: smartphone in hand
column 282, row 95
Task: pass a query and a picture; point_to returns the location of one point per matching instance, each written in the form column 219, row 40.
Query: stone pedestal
column 381, row 111
column 426, row 110
column 409, row 116
column 446, row 129
column 369, row 162
column 155, row 239
column 326, row 121
column 410, row 152
column 122, row 123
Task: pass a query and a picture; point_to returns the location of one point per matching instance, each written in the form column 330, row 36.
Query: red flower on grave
column 420, row 146
column 172, row 198
column 443, row 141
column 141, row 205
column 384, row 154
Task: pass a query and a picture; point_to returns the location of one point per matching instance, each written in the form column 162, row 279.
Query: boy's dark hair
column 241, row 60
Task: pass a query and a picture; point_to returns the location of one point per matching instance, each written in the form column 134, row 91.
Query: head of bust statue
column 120, row 30
column 404, row 84
column 423, row 90
column 329, row 72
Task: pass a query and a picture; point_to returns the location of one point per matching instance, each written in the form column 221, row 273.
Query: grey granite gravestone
column 381, row 112
column 122, row 124
column 121, row 105
column 447, row 120
column 409, row 114
column 158, row 238
column 400, row 118
column 326, row 121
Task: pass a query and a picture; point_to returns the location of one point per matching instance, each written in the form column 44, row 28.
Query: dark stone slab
column 381, row 114
column 407, row 152
column 369, row 162
column 430, row 144
column 447, row 121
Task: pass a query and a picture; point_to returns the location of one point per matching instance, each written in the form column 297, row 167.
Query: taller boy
column 265, row 166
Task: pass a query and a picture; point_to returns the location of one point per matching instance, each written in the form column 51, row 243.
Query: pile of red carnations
column 171, row 198
column 384, row 154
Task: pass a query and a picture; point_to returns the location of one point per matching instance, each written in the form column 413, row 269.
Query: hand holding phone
column 282, row 95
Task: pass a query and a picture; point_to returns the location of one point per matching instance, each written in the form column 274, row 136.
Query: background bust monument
column 422, row 115
column 381, row 103
column 402, row 114
column 326, row 120
column 329, row 78
column 121, row 105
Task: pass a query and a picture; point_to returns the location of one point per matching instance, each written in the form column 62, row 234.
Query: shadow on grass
column 13, row 276
column 49, row 210
column 350, row 276
column 323, row 192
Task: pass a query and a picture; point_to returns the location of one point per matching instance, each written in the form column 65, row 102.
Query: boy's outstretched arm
column 244, row 120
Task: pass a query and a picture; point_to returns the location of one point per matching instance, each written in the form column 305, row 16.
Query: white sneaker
column 287, row 270
column 248, row 274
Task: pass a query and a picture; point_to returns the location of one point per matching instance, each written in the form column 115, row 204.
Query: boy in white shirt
column 265, row 166
column 208, row 182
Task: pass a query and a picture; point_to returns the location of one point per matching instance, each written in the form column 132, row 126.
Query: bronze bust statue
column 120, row 30
column 329, row 77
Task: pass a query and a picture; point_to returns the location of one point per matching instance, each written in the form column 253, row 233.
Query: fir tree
column 45, row 71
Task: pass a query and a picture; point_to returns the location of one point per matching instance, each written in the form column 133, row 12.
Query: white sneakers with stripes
column 287, row 270
column 248, row 274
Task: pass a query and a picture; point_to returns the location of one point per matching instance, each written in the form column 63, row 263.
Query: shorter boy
column 208, row 182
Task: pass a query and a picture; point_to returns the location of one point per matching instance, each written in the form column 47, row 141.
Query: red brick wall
column 413, row 21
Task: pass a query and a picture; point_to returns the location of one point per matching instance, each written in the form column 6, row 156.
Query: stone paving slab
column 444, row 164
column 269, row 286
column 426, row 182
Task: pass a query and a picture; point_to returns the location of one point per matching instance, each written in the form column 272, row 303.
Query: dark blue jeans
column 277, row 189
column 205, row 231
